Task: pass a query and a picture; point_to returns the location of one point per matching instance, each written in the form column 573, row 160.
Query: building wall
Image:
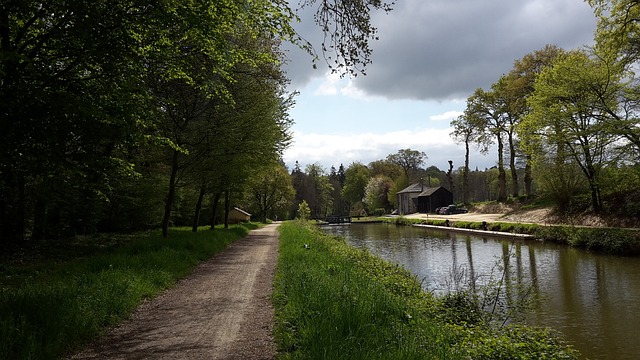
column 236, row 216
column 407, row 203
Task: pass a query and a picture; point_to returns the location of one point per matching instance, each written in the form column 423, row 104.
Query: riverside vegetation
column 53, row 306
column 615, row 241
column 334, row 301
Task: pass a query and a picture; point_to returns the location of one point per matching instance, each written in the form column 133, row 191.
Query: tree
column 519, row 86
column 357, row 177
column 385, row 168
column 565, row 114
column 347, row 31
column 303, row 212
column 464, row 131
column 486, row 110
column 79, row 92
column 270, row 189
column 409, row 160
column 376, row 193
column 336, row 179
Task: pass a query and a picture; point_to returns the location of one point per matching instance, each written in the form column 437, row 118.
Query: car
column 453, row 209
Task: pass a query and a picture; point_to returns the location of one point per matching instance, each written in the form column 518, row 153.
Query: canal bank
column 592, row 298
column 609, row 240
column 339, row 301
column 477, row 232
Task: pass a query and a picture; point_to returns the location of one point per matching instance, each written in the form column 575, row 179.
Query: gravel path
column 221, row 311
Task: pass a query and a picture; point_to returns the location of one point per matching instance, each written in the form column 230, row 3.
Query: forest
column 121, row 116
column 118, row 115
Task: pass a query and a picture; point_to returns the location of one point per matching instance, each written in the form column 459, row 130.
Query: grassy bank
column 616, row 241
column 54, row 305
column 337, row 302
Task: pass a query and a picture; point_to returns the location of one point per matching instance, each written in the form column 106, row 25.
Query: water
column 592, row 299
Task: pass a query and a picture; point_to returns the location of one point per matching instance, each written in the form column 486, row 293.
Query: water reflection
column 594, row 300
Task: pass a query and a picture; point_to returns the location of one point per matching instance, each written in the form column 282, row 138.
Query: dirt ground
column 538, row 216
column 221, row 311
column 545, row 216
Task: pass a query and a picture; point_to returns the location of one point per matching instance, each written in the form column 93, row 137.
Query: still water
column 592, row 299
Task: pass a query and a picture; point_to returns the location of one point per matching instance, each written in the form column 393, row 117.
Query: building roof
column 419, row 188
column 241, row 211
column 414, row 188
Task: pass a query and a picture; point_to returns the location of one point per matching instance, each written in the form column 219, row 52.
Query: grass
column 69, row 294
column 336, row 302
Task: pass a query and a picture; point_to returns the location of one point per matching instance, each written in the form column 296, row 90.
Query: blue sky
column 432, row 54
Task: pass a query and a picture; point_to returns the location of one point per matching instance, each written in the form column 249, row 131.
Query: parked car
column 453, row 209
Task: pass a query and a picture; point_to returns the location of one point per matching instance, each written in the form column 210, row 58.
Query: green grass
column 53, row 306
column 327, row 307
column 336, row 302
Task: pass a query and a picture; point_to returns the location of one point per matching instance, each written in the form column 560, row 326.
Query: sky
column 430, row 57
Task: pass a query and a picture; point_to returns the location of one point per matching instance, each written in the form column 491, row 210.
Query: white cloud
column 332, row 85
column 333, row 150
column 448, row 116
column 328, row 87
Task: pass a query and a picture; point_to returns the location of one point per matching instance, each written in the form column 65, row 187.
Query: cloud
column 442, row 49
column 333, row 150
column 447, row 116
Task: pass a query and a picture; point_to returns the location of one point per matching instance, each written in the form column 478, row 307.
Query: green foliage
column 356, row 179
column 269, row 192
column 517, row 342
column 409, row 160
column 303, row 213
column 376, row 194
column 54, row 307
column 607, row 240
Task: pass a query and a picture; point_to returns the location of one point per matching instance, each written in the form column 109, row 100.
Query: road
column 221, row 311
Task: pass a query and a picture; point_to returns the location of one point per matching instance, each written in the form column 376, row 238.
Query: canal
column 592, row 299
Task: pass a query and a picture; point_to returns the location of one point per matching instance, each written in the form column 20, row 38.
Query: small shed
column 237, row 215
column 408, row 199
column 432, row 198
column 418, row 198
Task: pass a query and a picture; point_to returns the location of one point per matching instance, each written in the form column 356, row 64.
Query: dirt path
column 221, row 311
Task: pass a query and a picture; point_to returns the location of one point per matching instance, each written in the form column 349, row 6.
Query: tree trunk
column 39, row 218
column 450, row 177
column 465, row 175
column 12, row 208
column 226, row 209
column 515, row 187
column 214, row 207
column 196, row 216
column 528, row 178
column 168, row 206
column 502, row 176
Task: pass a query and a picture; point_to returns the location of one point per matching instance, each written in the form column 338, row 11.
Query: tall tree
column 466, row 132
column 520, row 85
column 269, row 190
column 357, row 177
column 565, row 113
column 486, row 110
column 409, row 160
